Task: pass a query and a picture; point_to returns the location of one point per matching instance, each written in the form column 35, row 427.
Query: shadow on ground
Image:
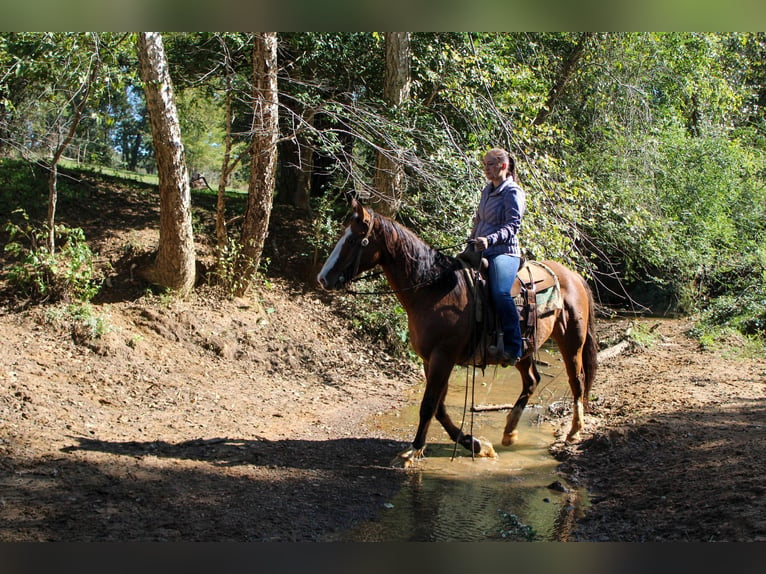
column 240, row 490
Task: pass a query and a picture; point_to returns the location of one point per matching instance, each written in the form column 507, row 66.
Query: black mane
column 423, row 263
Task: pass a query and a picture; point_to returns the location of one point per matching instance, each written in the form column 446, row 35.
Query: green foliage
column 202, row 125
column 79, row 318
column 646, row 174
column 65, row 275
column 386, row 324
column 732, row 294
column 22, row 185
column 324, row 227
column 226, row 274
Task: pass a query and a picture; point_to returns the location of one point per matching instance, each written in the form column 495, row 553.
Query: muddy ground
column 675, row 448
column 255, row 419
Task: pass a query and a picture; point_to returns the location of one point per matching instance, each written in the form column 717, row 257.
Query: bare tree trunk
column 389, row 174
column 174, row 267
column 567, row 69
column 260, row 196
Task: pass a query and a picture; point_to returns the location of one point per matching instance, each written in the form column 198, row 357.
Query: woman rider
column 495, row 231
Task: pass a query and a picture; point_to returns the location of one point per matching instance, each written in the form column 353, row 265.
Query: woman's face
column 494, row 167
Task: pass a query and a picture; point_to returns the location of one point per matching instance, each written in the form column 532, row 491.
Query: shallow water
column 462, row 498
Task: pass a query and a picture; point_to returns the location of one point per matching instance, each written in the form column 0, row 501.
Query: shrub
column 67, row 274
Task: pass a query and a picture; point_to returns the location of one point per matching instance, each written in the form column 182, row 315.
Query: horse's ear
column 364, row 215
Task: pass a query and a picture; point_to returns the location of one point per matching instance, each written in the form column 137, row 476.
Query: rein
column 387, row 291
column 379, row 273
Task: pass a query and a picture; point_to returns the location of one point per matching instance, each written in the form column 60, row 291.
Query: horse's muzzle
column 330, row 285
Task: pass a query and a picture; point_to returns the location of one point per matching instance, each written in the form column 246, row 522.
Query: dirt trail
column 198, row 421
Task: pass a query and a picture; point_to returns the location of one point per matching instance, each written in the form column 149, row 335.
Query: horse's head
column 353, row 253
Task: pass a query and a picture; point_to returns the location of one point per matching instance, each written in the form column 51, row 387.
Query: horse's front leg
column 439, row 373
column 437, row 381
column 436, row 389
column 530, row 377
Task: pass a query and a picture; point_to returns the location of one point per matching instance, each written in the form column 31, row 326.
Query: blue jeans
column 502, row 272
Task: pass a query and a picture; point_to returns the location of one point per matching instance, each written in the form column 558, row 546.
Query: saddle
column 536, row 293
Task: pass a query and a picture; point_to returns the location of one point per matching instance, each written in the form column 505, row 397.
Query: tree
column 174, row 266
column 263, row 163
column 46, row 96
column 78, row 101
column 568, row 67
column 389, row 173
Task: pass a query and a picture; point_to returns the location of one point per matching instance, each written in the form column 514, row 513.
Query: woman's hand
column 481, row 243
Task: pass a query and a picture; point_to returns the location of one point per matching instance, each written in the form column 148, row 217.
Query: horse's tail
column 590, row 350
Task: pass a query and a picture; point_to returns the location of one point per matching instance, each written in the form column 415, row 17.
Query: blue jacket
column 498, row 217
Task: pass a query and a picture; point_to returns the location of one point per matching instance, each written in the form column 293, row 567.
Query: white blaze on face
column 333, row 259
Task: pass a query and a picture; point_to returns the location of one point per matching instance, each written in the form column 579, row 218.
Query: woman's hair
column 507, row 158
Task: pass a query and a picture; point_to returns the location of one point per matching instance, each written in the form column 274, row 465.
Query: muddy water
column 451, row 496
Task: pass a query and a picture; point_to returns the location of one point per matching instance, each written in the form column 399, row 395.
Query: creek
column 452, row 496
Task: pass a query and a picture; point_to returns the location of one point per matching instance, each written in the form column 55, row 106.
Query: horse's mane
column 423, row 263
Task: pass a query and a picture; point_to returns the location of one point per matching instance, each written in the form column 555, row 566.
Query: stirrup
column 505, row 359
column 508, row 360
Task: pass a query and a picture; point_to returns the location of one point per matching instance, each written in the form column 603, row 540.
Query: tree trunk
column 133, row 153
column 260, row 196
column 174, row 267
column 389, row 174
column 567, row 69
column 302, row 194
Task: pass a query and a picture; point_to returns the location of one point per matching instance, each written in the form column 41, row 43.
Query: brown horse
column 435, row 291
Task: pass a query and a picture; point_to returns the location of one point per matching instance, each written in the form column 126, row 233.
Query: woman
column 495, row 231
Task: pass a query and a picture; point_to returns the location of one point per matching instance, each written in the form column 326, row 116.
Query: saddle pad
column 541, row 276
column 546, row 286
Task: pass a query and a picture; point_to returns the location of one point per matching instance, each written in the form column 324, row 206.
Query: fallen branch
column 613, row 351
column 488, row 408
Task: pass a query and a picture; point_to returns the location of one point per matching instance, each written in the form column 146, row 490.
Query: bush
column 65, row 275
column 734, row 295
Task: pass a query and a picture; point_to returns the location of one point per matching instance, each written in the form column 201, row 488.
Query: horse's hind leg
column 530, row 378
column 576, row 384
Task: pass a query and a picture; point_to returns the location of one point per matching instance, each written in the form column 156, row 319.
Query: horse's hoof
column 573, row 436
column 486, row 449
column 510, row 438
column 407, row 458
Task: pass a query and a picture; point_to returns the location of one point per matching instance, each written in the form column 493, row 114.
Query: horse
column 436, row 292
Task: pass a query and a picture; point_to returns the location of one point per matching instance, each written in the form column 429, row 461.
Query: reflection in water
column 466, row 499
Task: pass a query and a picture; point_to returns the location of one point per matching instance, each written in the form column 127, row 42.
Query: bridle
column 362, row 244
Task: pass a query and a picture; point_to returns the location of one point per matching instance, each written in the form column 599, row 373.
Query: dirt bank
column 196, row 420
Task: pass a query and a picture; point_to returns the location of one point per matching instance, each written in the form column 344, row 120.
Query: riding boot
column 498, row 353
column 497, row 349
